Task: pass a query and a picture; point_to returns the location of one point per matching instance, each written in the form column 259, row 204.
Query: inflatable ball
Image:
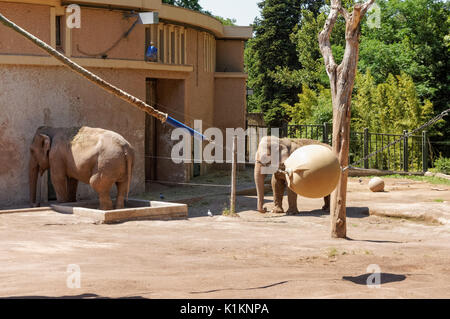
column 312, row 171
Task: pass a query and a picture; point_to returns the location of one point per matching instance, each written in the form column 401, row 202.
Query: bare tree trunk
column 342, row 78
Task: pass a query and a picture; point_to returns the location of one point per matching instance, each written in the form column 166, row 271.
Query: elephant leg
column 259, row 182
column 121, row 193
column 102, row 186
column 278, row 187
column 60, row 182
column 292, row 200
column 326, row 206
column 72, row 185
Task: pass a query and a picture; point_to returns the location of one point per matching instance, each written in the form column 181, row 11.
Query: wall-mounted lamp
column 148, row 17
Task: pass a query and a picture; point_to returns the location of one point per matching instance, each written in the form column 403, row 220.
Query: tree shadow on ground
column 82, row 296
column 251, row 288
column 375, row 241
column 385, row 278
column 352, row 212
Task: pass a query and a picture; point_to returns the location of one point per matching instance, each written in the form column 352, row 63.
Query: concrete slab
column 135, row 210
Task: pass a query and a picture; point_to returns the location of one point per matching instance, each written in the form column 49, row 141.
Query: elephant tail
column 129, row 157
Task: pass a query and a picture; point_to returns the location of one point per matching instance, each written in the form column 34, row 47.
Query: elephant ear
column 45, row 140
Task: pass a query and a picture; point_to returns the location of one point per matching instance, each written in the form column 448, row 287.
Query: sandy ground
column 253, row 256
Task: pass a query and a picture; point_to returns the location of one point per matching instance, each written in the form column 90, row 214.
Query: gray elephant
column 282, row 148
column 94, row 156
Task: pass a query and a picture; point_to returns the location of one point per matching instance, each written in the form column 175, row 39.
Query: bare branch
column 325, row 34
column 344, row 13
column 366, row 6
column 359, row 10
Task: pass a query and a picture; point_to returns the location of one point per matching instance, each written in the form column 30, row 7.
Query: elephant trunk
column 33, row 178
column 259, row 181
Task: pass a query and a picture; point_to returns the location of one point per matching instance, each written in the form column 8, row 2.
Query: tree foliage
column 194, row 5
column 402, row 71
column 391, row 106
column 272, row 51
column 188, row 4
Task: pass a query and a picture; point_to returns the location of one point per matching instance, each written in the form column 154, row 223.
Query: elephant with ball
column 94, row 156
column 270, row 156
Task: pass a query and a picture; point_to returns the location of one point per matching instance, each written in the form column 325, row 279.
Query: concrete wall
column 200, row 87
column 33, row 18
column 171, row 99
column 229, row 110
column 100, row 29
column 230, row 56
column 32, row 96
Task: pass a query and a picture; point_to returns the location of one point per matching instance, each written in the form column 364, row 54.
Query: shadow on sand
column 82, row 296
column 352, row 212
column 385, row 278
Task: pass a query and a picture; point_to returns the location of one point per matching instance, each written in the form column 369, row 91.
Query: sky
column 244, row 11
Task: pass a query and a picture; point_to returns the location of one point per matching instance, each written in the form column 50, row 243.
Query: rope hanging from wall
column 163, row 117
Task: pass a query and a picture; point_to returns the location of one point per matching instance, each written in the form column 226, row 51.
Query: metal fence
column 409, row 155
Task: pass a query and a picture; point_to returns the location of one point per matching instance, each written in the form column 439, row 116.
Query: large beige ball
column 376, row 184
column 313, row 171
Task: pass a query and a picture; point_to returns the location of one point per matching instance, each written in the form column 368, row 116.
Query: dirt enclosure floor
column 250, row 256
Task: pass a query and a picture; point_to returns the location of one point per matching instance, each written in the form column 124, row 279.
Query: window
column 58, row 31
column 161, row 45
column 209, row 52
column 172, row 48
column 183, row 58
column 170, row 41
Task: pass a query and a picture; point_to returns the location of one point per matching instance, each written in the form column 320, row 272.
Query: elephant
column 283, row 147
column 94, row 156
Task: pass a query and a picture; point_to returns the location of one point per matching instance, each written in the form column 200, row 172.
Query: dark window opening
column 161, row 45
column 172, row 45
column 58, row 35
column 183, row 58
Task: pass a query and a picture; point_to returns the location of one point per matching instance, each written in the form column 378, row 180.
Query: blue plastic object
column 194, row 133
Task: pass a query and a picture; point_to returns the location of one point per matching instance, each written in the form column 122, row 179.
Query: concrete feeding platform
column 135, row 209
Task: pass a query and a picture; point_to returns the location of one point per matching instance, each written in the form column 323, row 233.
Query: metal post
column 366, row 148
column 233, row 177
column 325, row 133
column 424, row 152
column 405, row 151
column 284, row 130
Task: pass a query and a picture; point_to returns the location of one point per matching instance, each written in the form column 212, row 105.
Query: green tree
column 194, row 5
column 226, row 21
column 188, row 4
column 312, row 107
column 270, row 51
column 413, row 39
column 391, row 107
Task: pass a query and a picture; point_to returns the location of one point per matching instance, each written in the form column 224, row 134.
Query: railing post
column 284, row 130
column 325, row 133
column 366, row 147
column 424, row 152
column 405, row 150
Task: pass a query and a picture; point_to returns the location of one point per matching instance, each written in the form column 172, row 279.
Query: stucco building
column 199, row 75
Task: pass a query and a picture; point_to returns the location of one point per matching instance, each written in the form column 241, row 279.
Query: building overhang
column 47, row 61
column 230, row 75
column 152, row 5
column 166, row 12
